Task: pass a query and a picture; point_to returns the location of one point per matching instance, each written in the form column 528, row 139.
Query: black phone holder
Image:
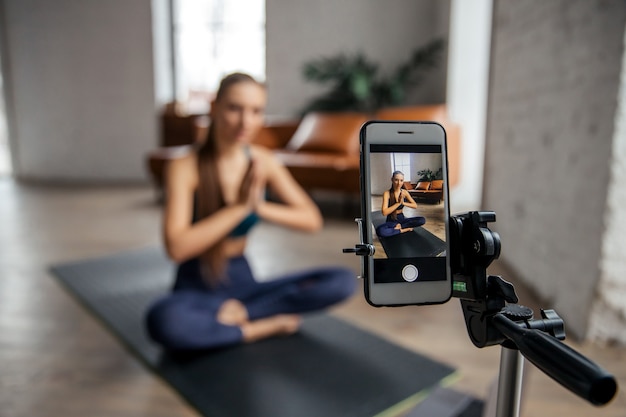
column 493, row 317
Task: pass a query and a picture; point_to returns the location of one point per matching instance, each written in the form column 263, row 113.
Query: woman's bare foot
column 232, row 313
column 279, row 325
column 398, row 226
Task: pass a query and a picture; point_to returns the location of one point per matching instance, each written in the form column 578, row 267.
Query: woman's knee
column 387, row 230
column 414, row 222
column 163, row 324
column 178, row 327
column 419, row 221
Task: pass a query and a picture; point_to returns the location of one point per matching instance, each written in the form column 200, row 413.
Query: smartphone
column 405, row 213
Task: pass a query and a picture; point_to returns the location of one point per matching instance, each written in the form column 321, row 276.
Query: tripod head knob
column 501, row 290
column 517, row 312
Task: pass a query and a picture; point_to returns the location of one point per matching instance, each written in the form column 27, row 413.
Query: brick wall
column 554, row 79
column 608, row 314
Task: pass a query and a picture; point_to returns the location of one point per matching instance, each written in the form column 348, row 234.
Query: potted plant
column 430, row 175
column 356, row 84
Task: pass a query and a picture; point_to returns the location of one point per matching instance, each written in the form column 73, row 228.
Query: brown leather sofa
column 427, row 191
column 322, row 150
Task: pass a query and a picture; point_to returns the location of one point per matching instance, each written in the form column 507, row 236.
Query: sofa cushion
column 436, row 185
column 328, row 132
column 422, row 185
column 276, row 134
column 319, row 170
column 408, row 186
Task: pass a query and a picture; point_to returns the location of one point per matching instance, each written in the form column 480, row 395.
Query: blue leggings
column 389, row 227
column 185, row 319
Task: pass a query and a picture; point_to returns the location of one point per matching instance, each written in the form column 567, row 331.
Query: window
column 401, row 162
column 215, row 37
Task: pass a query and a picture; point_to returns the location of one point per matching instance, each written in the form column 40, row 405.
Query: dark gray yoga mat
column 420, row 242
column 329, row 368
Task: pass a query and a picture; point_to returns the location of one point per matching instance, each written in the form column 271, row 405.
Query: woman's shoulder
column 183, row 165
column 182, row 155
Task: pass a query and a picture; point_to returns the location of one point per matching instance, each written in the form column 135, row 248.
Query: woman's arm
column 184, row 239
column 386, row 209
column 409, row 201
column 297, row 209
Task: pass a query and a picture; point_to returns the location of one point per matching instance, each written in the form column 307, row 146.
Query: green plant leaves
column 430, row 175
column 356, row 86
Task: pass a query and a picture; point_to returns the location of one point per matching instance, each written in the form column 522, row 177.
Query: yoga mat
column 420, row 242
column 445, row 402
column 329, row 368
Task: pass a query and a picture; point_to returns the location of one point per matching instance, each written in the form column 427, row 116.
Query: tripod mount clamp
column 492, row 315
column 361, row 248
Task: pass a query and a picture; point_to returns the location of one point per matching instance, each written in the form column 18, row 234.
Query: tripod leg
column 510, row 383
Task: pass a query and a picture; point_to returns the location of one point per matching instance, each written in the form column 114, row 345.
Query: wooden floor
column 57, row 360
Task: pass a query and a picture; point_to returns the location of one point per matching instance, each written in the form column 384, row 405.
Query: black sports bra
column 246, row 224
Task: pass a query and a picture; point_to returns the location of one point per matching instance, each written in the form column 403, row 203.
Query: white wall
column 386, row 31
column 468, row 78
column 82, row 102
column 550, row 138
column 380, row 167
column 82, row 98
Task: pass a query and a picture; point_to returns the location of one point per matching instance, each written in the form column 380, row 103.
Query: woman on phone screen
column 394, row 200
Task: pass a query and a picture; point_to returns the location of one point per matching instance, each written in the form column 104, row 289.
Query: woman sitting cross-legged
column 214, row 196
column 394, row 200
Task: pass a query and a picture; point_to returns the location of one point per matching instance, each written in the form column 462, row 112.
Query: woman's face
column 239, row 113
column 397, row 181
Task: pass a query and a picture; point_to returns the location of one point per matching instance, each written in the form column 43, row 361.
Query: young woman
column 394, row 200
column 214, row 195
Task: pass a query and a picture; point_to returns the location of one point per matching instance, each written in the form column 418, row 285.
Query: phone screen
column 407, row 214
column 411, row 176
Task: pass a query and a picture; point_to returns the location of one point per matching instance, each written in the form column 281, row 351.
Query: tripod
column 493, row 317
